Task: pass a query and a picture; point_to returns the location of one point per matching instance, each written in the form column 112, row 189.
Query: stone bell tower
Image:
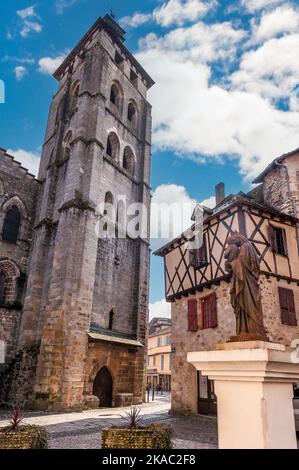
column 87, row 296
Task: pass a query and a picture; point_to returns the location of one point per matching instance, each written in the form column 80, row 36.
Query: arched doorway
column 102, row 387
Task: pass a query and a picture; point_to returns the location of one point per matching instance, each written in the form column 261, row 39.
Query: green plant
column 133, row 418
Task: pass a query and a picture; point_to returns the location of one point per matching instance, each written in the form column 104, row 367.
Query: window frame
column 209, row 319
column 198, row 257
column 288, row 314
column 6, row 224
column 273, row 240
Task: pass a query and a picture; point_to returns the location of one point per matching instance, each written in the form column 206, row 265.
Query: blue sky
column 226, row 99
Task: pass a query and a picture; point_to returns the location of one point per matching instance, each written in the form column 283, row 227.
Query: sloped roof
column 273, row 164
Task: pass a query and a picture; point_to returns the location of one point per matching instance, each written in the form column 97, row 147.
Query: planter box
column 27, row 437
column 149, row 437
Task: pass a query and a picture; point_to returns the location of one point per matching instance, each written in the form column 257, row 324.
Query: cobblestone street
column 82, row 430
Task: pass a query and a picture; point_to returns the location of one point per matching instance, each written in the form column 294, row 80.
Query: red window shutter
column 285, row 245
column 213, row 306
column 291, row 307
column 286, row 300
column 192, row 315
column 272, row 238
column 209, row 311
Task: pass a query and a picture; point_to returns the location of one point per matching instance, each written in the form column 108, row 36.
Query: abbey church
column 73, row 305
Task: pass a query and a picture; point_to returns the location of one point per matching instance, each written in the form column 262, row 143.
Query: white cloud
column 21, row 60
column 28, row 160
column 27, row 12
column 171, row 12
column 180, row 11
column 137, row 19
column 255, row 5
column 283, row 19
column 161, row 308
column 271, row 70
column 171, row 212
column 209, row 202
column 62, row 5
column 200, row 119
column 48, row 65
column 29, row 21
column 20, row 72
column 199, row 42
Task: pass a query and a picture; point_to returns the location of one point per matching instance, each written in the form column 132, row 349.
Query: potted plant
column 135, row 436
column 16, row 436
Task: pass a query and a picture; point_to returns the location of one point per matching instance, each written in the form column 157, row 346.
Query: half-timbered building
column 197, row 283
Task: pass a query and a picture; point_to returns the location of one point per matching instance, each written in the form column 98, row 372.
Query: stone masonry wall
column 184, row 375
column 276, row 191
column 17, row 188
column 121, row 364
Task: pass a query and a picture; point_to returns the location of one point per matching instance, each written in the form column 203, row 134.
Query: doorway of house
column 102, row 387
column 207, row 402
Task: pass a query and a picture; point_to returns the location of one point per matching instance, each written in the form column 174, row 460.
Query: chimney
column 219, row 193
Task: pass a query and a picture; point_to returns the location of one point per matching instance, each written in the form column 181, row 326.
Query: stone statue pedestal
column 254, row 388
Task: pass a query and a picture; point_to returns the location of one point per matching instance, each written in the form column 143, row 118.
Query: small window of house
column 209, row 312
column 11, row 225
column 198, row 257
column 162, row 362
column 287, row 306
column 278, row 240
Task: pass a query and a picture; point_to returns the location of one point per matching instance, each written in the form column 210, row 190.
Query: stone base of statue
column 254, row 387
column 248, row 337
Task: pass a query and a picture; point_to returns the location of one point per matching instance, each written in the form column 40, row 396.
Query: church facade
column 198, row 285
column 70, row 292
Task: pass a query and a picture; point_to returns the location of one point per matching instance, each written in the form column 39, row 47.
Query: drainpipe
column 294, row 208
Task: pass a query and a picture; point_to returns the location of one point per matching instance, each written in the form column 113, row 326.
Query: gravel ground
column 82, row 430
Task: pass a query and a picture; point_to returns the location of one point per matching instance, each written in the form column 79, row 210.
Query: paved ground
column 82, row 430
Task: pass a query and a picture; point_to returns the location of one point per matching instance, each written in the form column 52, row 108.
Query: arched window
column 2, row 288
column 108, row 201
column 113, row 146
column 116, row 95
column 132, row 113
column 74, row 97
column 11, row 225
column 111, row 319
column 67, row 145
column 129, row 161
column 59, row 112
